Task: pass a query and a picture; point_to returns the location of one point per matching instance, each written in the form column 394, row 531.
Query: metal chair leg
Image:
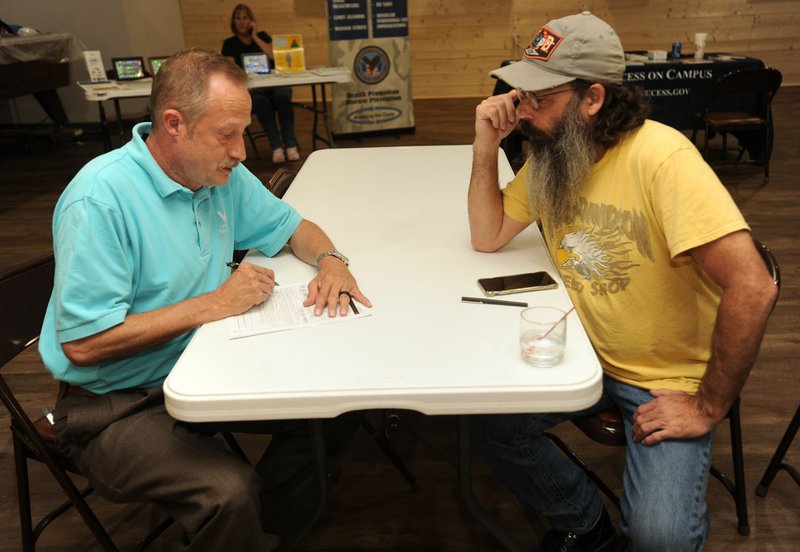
column 23, row 495
column 465, row 485
column 776, row 463
column 578, row 461
column 154, row 534
column 318, row 450
column 384, row 444
column 740, row 496
column 233, row 444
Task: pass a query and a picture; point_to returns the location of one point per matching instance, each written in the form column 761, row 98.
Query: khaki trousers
column 130, row 449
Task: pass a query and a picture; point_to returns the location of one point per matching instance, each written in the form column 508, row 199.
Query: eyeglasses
column 535, row 99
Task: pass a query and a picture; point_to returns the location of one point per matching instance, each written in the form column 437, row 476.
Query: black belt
column 66, row 389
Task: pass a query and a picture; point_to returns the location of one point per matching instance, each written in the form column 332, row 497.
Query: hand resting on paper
column 327, row 287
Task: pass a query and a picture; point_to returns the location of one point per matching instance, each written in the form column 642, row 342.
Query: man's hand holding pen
column 248, row 285
column 329, row 287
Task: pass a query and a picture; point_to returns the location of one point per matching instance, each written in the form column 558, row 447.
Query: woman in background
column 247, row 39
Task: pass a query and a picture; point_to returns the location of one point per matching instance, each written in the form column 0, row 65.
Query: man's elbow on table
column 484, row 246
column 487, row 237
column 493, row 236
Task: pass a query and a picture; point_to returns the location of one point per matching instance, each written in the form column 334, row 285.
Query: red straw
column 553, row 327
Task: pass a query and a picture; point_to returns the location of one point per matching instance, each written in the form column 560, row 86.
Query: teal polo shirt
column 128, row 239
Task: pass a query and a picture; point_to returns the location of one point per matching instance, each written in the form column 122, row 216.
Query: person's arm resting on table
column 307, row 243
column 748, row 294
column 490, row 227
column 249, row 285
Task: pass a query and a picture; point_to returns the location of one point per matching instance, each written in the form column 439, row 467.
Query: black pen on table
column 493, row 302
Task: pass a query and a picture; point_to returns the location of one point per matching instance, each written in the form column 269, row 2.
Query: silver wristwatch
column 333, row 253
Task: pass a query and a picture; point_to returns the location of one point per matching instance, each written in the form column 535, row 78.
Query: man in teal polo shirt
column 141, row 238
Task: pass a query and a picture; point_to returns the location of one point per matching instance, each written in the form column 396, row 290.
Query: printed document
column 284, row 310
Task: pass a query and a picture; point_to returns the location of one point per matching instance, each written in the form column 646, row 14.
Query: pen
column 233, row 266
column 349, row 300
column 493, row 302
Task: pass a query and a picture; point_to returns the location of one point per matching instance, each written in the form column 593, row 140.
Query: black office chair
column 777, row 463
column 606, row 427
column 761, row 85
column 24, row 293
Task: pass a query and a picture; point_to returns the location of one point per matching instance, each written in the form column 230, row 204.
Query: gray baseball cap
column 578, row 46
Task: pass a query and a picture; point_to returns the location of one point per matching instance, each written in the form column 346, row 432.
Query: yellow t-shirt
column 648, row 308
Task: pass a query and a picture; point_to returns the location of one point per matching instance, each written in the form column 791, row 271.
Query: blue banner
column 379, row 96
column 389, row 18
column 347, row 19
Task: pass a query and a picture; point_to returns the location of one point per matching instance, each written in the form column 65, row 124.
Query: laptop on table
column 129, row 68
column 156, row 62
column 255, row 64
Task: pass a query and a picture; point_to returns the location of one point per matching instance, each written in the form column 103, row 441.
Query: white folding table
column 400, row 215
column 318, row 77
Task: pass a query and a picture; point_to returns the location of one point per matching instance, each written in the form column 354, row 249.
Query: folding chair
column 280, row 182
column 24, row 293
column 606, row 427
column 762, row 85
column 777, row 463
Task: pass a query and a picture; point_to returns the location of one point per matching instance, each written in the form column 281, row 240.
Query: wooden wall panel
column 455, row 43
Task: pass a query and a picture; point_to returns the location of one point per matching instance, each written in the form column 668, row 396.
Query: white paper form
column 284, row 310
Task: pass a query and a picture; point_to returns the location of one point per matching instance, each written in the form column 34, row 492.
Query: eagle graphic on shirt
column 598, row 261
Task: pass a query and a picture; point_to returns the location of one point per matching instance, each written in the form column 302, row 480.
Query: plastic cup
column 700, row 45
column 542, row 336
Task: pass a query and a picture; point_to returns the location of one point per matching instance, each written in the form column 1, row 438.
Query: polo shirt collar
column 139, row 153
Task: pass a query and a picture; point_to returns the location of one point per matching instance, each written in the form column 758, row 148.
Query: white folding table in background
column 319, row 77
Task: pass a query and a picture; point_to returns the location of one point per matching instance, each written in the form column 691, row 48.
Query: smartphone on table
column 516, row 283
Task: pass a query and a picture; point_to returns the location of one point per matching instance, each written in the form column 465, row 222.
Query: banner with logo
column 371, row 38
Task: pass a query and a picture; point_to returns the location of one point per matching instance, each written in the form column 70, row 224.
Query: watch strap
column 333, row 253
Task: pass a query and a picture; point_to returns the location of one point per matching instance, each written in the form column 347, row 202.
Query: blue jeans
column 664, row 485
column 267, row 102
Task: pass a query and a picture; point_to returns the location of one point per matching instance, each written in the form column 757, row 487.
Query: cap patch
column 543, row 44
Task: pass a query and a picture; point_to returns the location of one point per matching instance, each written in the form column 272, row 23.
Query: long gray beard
column 558, row 166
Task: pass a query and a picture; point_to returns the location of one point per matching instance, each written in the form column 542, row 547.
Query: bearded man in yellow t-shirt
column 662, row 270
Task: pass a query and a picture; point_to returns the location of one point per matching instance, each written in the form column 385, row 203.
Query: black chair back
column 766, row 80
column 740, row 103
column 24, row 293
column 280, row 182
column 771, row 262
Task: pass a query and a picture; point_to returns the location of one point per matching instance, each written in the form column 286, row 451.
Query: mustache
column 535, row 135
column 232, row 164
